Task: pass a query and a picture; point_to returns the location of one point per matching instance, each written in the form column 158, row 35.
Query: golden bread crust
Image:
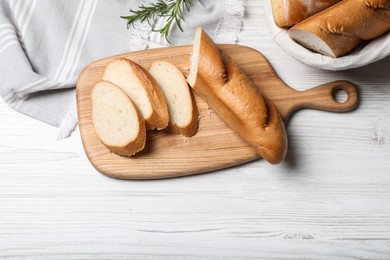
column 344, row 25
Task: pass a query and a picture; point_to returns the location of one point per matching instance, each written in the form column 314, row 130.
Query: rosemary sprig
column 173, row 9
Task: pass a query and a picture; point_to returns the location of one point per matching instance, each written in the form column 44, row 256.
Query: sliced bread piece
column 117, row 121
column 183, row 114
column 141, row 88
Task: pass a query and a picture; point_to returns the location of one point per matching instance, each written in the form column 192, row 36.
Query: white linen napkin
column 44, row 45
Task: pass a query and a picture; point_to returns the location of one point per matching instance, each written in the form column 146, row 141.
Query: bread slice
column 183, row 114
column 117, row 122
column 235, row 98
column 340, row 28
column 141, row 88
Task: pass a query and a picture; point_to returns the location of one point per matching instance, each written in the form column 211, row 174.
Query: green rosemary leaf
column 173, row 9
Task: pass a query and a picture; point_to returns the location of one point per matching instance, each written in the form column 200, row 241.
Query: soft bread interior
column 114, row 115
column 311, row 41
column 121, row 74
column 175, row 90
column 191, row 79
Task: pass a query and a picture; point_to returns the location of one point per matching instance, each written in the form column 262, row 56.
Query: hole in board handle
column 340, row 95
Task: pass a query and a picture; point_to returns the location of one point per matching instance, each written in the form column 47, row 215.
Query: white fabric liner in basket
column 374, row 50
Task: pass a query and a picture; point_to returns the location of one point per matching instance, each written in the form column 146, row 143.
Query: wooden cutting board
column 215, row 146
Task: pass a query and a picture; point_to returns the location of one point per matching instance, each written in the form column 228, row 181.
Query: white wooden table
column 330, row 198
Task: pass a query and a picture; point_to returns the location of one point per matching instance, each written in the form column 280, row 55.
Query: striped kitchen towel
column 44, row 45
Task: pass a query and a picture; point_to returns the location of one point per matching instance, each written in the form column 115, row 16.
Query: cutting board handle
column 324, row 97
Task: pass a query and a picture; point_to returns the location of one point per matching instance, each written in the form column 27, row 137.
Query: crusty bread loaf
column 117, row 122
column 183, row 114
column 141, row 88
column 337, row 30
column 235, row 98
column 287, row 13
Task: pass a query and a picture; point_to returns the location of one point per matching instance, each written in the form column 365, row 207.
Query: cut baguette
column 141, row 88
column 235, row 98
column 183, row 114
column 290, row 12
column 340, row 28
column 117, row 122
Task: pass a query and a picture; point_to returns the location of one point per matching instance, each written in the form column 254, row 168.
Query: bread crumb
column 209, row 113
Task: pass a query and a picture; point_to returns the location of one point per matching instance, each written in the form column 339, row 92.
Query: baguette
column 183, row 114
column 287, row 13
column 117, row 122
column 235, row 98
column 339, row 29
column 141, row 88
